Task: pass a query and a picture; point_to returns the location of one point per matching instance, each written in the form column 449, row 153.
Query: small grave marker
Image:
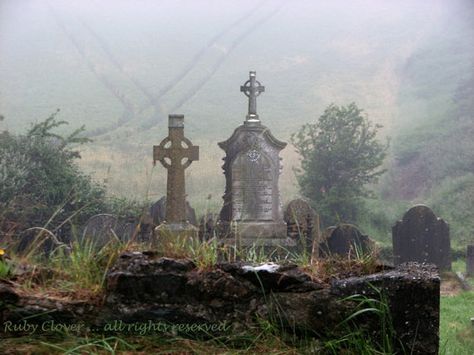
column 345, row 240
column 423, row 237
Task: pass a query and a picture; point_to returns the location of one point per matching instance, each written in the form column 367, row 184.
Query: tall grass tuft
column 86, row 265
column 359, row 340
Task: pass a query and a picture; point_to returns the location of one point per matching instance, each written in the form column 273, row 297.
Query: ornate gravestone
column 470, row 260
column 423, row 237
column 252, row 209
column 158, row 212
column 302, row 223
column 176, row 153
column 345, row 240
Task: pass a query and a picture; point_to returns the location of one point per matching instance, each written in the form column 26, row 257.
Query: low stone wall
column 232, row 297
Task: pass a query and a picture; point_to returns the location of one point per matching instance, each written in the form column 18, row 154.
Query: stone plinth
column 167, row 233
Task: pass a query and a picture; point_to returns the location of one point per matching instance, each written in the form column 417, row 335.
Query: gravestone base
column 171, row 232
column 268, row 238
column 253, row 230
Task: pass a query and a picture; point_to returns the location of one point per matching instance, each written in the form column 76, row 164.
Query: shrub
column 40, row 184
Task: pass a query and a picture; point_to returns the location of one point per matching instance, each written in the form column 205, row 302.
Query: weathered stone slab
column 37, row 241
column 302, row 223
column 237, row 293
column 144, row 288
column 423, row 237
column 102, row 229
column 345, row 240
column 412, row 293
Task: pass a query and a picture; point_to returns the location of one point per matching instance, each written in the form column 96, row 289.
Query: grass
column 5, row 269
column 79, row 272
column 456, row 330
column 361, row 341
column 267, row 337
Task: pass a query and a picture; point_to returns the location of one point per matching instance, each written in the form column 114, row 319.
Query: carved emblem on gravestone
column 253, row 155
column 345, row 240
column 252, row 168
column 423, row 237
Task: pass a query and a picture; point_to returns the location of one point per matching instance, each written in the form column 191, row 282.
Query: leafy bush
column 40, row 184
column 340, row 156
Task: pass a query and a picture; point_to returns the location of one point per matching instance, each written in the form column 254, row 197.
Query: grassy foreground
column 80, row 273
column 456, row 330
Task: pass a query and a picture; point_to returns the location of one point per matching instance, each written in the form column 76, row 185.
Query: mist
column 120, row 67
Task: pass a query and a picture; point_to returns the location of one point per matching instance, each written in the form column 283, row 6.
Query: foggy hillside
column 120, row 67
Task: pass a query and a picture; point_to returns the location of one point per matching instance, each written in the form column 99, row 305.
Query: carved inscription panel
column 252, row 186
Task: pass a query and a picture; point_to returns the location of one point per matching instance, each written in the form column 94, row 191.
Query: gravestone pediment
column 251, row 136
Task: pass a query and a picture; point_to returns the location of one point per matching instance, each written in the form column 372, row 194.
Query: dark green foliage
column 435, row 164
column 39, row 179
column 340, row 156
column 454, row 201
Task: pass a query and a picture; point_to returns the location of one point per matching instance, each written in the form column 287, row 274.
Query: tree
column 340, row 156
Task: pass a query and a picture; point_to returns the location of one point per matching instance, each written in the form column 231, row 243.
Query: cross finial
column 252, row 88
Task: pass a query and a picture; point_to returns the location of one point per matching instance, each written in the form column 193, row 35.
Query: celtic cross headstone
column 175, row 153
column 252, row 88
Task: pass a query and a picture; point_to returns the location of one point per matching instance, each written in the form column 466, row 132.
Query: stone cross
column 252, row 88
column 175, row 153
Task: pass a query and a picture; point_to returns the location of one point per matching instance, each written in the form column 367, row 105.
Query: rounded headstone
column 423, row 237
column 345, row 240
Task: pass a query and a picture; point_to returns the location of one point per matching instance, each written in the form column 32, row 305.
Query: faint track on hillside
column 194, row 62
column 116, row 63
column 196, row 88
column 154, row 100
column 128, row 110
column 158, row 115
column 220, row 61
